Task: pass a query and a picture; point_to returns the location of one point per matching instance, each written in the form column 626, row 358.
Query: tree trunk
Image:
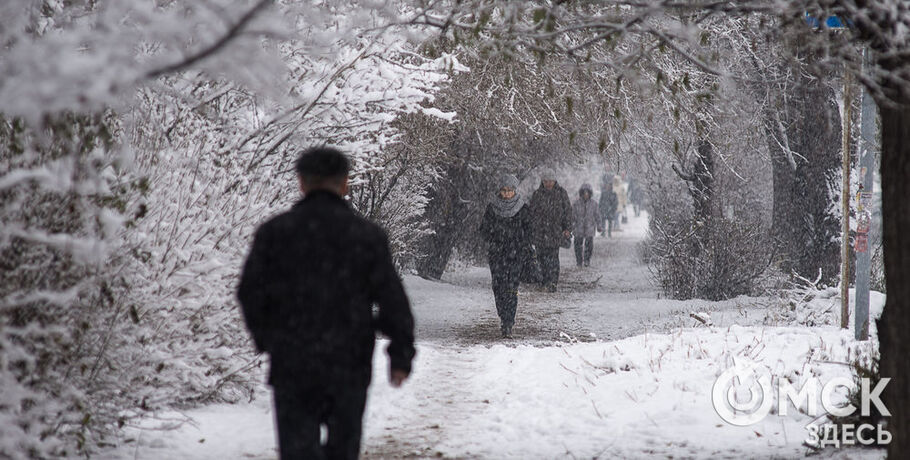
column 702, row 185
column 455, row 204
column 707, row 216
column 804, row 138
column 445, row 212
column 894, row 341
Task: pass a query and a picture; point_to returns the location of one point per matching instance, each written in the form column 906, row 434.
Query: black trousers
column 505, row 272
column 584, row 247
column 549, row 265
column 301, row 411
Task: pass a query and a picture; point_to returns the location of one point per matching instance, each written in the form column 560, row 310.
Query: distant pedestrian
column 608, row 204
column 506, row 227
column 307, row 293
column 635, row 196
column 551, row 216
column 587, row 224
column 622, row 198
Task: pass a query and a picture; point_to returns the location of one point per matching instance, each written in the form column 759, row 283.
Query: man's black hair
column 318, row 165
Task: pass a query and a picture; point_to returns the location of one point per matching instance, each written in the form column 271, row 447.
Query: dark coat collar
column 321, row 196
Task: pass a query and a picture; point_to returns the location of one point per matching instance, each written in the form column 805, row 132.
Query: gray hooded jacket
column 587, row 214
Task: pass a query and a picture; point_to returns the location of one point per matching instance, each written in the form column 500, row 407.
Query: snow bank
column 648, row 395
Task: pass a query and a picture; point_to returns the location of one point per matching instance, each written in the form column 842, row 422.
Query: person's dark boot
column 551, row 288
column 507, row 332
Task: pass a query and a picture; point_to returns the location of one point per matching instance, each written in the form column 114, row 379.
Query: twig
column 232, row 33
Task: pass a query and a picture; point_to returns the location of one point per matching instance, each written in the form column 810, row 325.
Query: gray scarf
column 503, row 207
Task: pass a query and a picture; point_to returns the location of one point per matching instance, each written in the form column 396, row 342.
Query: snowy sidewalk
column 612, row 299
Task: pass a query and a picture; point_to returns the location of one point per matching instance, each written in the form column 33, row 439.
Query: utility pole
column 864, row 216
column 845, row 206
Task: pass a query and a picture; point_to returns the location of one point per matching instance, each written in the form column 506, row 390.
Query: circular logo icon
column 734, row 383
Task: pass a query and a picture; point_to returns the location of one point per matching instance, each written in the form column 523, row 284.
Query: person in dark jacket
column 506, row 228
column 608, row 204
column 635, row 196
column 307, row 293
column 587, row 224
column 551, row 214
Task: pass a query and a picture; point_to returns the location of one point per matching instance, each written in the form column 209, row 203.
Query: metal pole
column 845, row 206
column 867, row 163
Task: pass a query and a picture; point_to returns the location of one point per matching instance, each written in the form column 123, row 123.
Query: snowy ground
column 612, row 299
column 601, row 369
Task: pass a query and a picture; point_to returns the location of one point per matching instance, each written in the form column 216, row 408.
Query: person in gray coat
column 587, row 224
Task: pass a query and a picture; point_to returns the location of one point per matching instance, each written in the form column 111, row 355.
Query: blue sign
column 832, row 22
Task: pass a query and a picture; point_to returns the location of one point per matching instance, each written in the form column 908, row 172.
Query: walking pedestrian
column 551, row 215
column 607, row 206
column 587, row 224
column 506, row 228
column 622, row 199
column 307, row 293
column 635, row 196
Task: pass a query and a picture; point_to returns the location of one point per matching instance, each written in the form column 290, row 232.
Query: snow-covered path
column 612, row 299
column 599, row 369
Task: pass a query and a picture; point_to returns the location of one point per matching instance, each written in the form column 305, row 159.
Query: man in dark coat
column 635, row 196
column 307, row 293
column 551, row 216
column 608, row 204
